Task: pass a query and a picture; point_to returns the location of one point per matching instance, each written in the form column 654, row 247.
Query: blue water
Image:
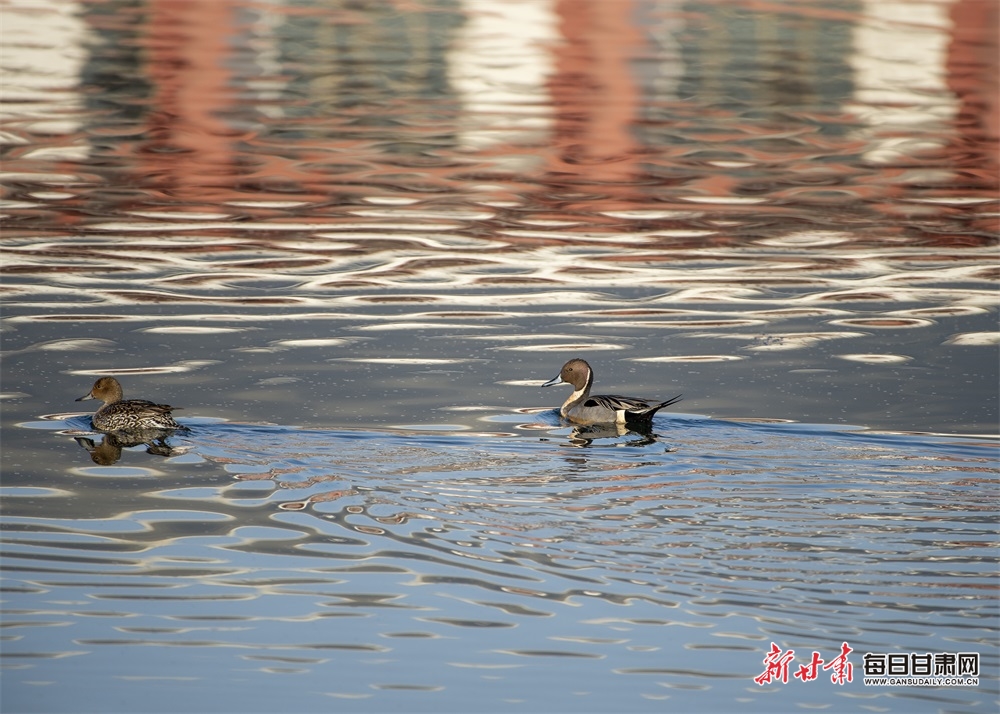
column 518, row 568
column 349, row 241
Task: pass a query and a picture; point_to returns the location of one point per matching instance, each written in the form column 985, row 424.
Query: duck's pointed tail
column 646, row 414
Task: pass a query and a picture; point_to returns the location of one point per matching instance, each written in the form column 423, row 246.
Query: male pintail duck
column 582, row 408
column 127, row 415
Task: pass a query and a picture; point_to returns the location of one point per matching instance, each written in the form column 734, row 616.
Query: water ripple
column 359, row 217
column 768, row 529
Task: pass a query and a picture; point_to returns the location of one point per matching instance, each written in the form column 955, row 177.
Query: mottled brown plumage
column 119, row 414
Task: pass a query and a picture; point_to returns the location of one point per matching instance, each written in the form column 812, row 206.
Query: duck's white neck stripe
column 571, row 401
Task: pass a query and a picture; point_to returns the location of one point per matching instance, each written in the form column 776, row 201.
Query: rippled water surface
column 351, row 241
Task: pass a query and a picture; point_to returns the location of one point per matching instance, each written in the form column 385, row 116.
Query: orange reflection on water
column 188, row 150
column 592, row 107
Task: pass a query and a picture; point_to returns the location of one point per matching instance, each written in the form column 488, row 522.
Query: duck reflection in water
column 585, row 435
column 109, row 450
column 126, row 423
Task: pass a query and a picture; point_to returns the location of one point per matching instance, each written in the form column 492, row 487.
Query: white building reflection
column 900, row 66
column 499, row 66
column 42, row 52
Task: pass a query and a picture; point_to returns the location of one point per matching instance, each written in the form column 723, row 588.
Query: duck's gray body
column 583, row 408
